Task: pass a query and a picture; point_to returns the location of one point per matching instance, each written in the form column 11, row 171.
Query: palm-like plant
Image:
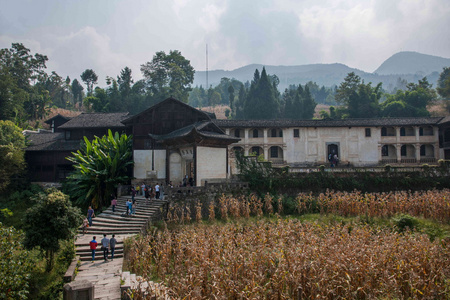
column 100, row 166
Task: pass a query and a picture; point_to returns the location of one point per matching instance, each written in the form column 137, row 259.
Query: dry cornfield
column 287, row 259
column 434, row 205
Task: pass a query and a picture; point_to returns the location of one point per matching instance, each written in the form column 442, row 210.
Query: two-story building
column 172, row 140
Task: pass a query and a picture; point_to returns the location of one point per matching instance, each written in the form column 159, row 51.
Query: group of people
column 106, row 244
column 148, row 191
column 333, row 159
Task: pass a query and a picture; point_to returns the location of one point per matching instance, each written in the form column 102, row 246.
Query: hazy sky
column 107, row 35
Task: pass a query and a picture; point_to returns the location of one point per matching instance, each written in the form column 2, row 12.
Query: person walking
column 129, row 204
column 112, row 245
column 133, row 194
column 113, row 204
column 90, row 215
column 105, row 247
column 157, row 190
column 93, row 246
column 143, row 189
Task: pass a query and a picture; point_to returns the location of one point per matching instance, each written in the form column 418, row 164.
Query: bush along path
column 106, row 275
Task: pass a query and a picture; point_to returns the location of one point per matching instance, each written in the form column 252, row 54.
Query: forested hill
column 334, row 74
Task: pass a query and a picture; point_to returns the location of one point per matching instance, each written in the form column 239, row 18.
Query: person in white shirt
column 157, row 190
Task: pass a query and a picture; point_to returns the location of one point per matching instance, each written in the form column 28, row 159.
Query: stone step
column 128, row 221
column 108, row 231
column 99, row 256
column 113, row 224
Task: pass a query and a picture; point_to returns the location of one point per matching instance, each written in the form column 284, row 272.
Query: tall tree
column 169, row 75
column 359, row 99
column 261, row 102
column 77, row 91
column 12, row 145
column 89, row 78
column 443, row 87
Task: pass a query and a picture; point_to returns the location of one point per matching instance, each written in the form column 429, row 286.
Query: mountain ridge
column 332, row 74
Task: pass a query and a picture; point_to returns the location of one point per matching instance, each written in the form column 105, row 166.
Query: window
column 368, row 133
column 274, row 152
column 255, row 150
column 385, row 150
column 274, row 133
column 67, row 135
column 403, row 151
column 384, row 131
column 255, row 133
column 422, row 150
column 402, row 131
column 421, row 131
column 296, row 133
column 237, row 133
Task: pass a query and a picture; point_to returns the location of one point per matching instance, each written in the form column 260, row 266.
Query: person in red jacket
column 93, row 245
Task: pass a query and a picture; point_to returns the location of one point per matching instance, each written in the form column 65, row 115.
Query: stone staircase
column 118, row 223
column 106, row 276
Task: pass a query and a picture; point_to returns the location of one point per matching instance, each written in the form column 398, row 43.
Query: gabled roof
column 96, row 120
column 58, row 116
column 205, row 129
column 328, row 122
column 166, row 102
column 43, row 141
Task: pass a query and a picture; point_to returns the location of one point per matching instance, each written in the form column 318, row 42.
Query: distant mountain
column 412, row 63
column 410, row 66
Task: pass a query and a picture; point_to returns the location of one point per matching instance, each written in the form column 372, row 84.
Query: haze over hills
column 408, row 62
column 410, row 66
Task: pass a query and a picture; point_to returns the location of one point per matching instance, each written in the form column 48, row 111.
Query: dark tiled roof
column 328, row 123
column 445, row 120
column 58, row 116
column 197, row 128
column 129, row 118
column 50, row 142
column 96, row 120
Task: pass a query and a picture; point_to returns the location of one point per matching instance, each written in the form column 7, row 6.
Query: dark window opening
column 255, row 133
column 402, row 131
column 384, row 131
column 422, row 150
column 385, row 150
column 237, row 133
column 274, row 152
column 296, row 133
column 255, row 150
column 368, row 133
column 403, row 151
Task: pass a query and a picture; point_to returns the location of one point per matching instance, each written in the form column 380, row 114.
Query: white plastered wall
column 211, row 164
column 143, row 164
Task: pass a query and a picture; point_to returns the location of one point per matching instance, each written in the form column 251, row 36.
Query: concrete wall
column 143, row 164
column 211, row 163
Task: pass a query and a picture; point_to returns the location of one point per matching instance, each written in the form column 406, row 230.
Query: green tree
column 12, row 145
column 443, row 87
column 261, row 102
column 360, row 100
column 410, row 103
column 100, row 166
column 89, row 78
column 18, row 70
column 16, row 264
column 169, row 75
column 51, row 220
column 77, row 91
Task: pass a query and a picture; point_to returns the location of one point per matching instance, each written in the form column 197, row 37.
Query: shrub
column 402, row 222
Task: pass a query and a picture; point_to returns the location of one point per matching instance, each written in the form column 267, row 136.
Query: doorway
column 333, row 149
